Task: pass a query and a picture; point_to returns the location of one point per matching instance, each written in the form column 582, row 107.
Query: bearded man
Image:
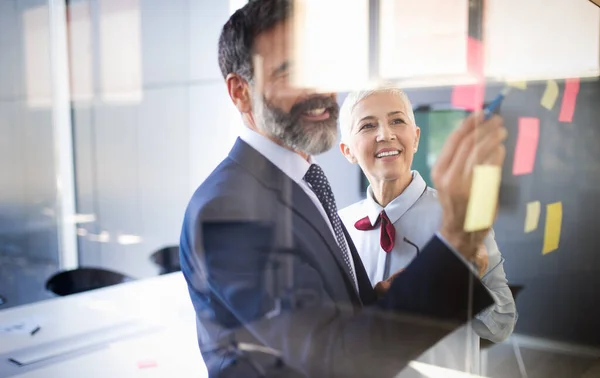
column 276, row 282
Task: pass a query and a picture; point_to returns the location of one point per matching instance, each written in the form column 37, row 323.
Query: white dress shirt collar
column 292, row 164
column 399, row 205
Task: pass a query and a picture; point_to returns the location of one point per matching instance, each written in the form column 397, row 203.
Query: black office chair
column 167, row 259
column 83, row 279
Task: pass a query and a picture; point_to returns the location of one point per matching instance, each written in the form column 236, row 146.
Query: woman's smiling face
column 383, row 137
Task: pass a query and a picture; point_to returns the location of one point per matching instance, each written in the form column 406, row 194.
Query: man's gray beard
column 312, row 140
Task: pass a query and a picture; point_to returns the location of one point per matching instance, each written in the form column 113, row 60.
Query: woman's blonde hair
column 354, row 98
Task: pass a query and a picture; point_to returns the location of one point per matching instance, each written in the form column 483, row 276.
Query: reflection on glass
column 129, row 239
column 330, row 53
column 80, row 51
column 423, row 43
column 563, row 32
column 120, row 51
column 36, row 39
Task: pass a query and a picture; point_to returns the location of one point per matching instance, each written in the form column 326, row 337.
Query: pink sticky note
column 468, row 97
column 527, row 142
column 145, row 364
column 471, row 97
column 569, row 99
column 475, row 57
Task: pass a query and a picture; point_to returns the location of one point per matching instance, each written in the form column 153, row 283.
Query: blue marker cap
column 495, row 104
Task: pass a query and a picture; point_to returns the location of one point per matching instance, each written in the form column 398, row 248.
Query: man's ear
column 239, row 92
column 348, row 153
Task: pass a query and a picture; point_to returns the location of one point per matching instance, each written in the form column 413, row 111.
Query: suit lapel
column 304, row 207
column 365, row 288
column 293, row 196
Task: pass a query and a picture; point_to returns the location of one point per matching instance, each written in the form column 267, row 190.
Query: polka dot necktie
column 319, row 184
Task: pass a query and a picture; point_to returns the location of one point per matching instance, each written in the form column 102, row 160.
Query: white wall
column 138, row 162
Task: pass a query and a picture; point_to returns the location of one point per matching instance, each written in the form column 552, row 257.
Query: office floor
column 22, row 279
column 539, row 364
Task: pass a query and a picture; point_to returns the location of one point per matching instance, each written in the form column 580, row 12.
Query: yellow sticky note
column 517, row 84
column 533, row 216
column 550, row 95
column 483, row 201
column 553, row 225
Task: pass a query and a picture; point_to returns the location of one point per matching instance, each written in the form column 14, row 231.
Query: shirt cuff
column 469, row 264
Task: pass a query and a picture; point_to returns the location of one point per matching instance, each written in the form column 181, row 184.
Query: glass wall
column 112, row 112
column 100, row 177
column 30, row 231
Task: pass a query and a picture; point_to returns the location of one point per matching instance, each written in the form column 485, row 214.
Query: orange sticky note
column 550, row 95
column 569, row 100
column 471, row 97
column 483, row 199
column 553, row 226
column 527, row 142
column 533, row 216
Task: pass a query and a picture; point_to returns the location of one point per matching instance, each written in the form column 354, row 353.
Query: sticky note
column 533, row 216
column 550, row 95
column 468, row 97
column 475, row 55
column 483, row 200
column 527, row 142
column 145, row 364
column 517, row 84
column 569, row 99
column 553, row 226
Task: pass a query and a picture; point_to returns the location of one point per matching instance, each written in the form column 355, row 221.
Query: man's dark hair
column 238, row 34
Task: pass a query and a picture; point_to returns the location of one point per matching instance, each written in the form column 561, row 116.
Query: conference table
column 143, row 328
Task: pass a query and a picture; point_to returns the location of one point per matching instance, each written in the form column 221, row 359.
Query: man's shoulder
column 229, row 192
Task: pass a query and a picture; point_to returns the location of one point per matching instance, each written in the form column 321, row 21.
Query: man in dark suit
column 270, row 268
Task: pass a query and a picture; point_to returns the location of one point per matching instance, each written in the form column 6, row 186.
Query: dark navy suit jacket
column 262, row 267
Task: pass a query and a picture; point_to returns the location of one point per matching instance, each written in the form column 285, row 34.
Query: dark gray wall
column 560, row 298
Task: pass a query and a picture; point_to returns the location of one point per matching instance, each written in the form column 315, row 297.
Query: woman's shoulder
column 431, row 192
column 428, row 199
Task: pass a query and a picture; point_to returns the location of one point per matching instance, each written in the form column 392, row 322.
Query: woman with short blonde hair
column 401, row 213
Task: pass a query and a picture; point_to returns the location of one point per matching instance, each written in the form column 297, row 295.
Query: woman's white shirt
column 416, row 215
